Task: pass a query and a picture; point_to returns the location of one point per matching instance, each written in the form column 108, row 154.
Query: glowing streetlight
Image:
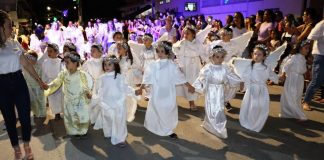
column 75, row 7
column 48, row 8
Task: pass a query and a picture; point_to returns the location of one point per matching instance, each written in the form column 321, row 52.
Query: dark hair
column 230, row 18
column 167, row 47
column 193, row 32
column 312, row 13
column 260, row 13
column 32, row 53
column 240, row 15
column 98, row 47
column 278, row 14
column 271, row 14
column 220, row 23
column 117, row 33
column 54, row 47
column 3, row 17
column 277, row 35
column 148, row 34
column 19, row 39
column 291, row 19
column 71, row 47
column 129, row 55
column 297, row 47
column 264, row 51
column 116, row 65
column 72, row 60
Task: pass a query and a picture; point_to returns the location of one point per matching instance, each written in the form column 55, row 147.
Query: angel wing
column 272, row 59
column 135, row 47
column 242, row 41
column 89, row 80
column 164, row 37
column 239, row 65
column 201, row 35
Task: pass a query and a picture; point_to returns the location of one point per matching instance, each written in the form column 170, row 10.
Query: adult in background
column 172, row 33
column 317, row 34
column 13, row 87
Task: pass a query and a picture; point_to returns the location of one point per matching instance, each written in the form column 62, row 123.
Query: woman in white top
column 13, row 87
column 238, row 25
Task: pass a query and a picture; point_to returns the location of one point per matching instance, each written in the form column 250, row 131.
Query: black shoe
column 58, row 117
column 122, row 145
column 228, row 106
column 173, row 136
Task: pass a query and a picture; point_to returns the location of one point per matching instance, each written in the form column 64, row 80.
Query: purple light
column 65, row 13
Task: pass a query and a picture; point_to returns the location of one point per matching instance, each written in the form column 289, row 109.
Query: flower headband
column 110, row 60
column 54, row 46
column 73, row 57
column 70, row 45
column 98, row 46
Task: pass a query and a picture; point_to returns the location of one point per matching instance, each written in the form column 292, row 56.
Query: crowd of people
column 96, row 74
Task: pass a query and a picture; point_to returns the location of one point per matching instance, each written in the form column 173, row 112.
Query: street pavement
column 280, row 139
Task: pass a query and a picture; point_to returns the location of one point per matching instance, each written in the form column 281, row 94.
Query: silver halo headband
column 191, row 27
column 31, row 57
column 262, row 46
column 54, row 46
column 70, row 45
column 110, row 60
column 218, row 51
column 72, row 57
column 147, row 37
column 226, row 32
column 124, row 45
column 305, row 42
column 98, row 46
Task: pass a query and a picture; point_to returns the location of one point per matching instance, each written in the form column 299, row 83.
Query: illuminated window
column 167, row 1
column 161, row 1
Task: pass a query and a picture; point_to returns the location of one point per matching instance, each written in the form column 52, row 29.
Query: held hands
column 43, row 85
column 88, row 95
column 282, row 77
column 241, row 86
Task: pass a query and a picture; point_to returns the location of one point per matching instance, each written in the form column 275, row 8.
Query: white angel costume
column 51, row 68
column 94, row 68
column 189, row 56
column 162, row 111
column 211, row 81
column 110, row 97
column 290, row 100
column 255, row 105
column 133, row 76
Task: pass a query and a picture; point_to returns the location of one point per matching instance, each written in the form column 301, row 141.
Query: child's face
column 95, row 53
column 305, row 50
column 118, row 37
column 272, row 34
column 70, row 66
column 121, row 50
column 161, row 53
column 147, row 42
column 218, row 58
column 51, row 53
column 188, row 35
column 108, row 67
column 65, row 49
column 226, row 37
column 258, row 55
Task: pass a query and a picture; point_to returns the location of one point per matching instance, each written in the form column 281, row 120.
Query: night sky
column 106, row 9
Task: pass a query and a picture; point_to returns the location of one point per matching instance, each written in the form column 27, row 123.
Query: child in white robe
column 112, row 50
column 110, row 96
column 51, row 67
column 37, row 97
column 211, row 81
column 293, row 74
column 130, row 68
column 94, row 68
column 189, row 54
column 163, row 75
column 255, row 105
column 77, row 93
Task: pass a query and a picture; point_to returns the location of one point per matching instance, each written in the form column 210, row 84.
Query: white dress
column 51, row 69
column 255, row 105
column 211, row 81
column 94, row 68
column 188, row 57
column 111, row 99
column 162, row 111
column 290, row 100
column 133, row 76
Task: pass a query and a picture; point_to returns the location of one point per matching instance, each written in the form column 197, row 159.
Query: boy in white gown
column 293, row 74
column 51, row 67
column 163, row 75
column 255, row 105
column 110, row 95
column 93, row 67
column 211, row 81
